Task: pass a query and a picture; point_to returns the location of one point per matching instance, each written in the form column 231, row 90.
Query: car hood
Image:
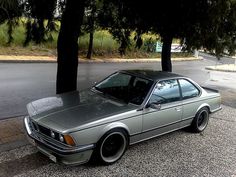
column 71, row 110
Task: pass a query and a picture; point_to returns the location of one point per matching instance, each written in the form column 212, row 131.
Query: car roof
column 152, row 74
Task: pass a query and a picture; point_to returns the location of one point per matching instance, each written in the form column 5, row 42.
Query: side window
column 188, row 89
column 165, row 92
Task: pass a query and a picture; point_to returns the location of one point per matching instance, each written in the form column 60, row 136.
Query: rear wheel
column 112, row 146
column 200, row 121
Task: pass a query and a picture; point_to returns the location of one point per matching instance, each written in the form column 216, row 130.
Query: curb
column 219, row 68
column 141, row 60
column 44, row 59
column 27, row 61
column 212, row 69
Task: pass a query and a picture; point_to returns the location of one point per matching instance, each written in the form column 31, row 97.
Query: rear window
column 188, row 89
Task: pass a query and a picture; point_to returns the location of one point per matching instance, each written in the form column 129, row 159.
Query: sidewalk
column 12, row 134
column 226, row 67
column 48, row 59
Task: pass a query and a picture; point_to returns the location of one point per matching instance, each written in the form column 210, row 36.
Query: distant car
column 125, row 108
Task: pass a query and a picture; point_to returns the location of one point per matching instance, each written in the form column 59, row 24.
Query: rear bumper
column 64, row 154
column 215, row 110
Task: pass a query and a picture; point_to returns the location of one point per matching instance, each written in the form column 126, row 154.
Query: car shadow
column 24, row 164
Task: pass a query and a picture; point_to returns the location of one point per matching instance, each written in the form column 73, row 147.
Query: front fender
column 93, row 134
column 113, row 126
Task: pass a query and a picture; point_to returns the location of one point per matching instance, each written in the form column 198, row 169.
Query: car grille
column 33, row 125
column 45, row 131
column 45, row 134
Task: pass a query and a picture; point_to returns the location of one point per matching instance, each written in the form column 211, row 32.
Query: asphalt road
column 21, row 83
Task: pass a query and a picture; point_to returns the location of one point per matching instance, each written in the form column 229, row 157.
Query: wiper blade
column 109, row 96
column 97, row 89
column 115, row 98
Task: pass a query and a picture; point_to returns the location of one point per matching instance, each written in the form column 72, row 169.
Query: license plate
column 53, row 158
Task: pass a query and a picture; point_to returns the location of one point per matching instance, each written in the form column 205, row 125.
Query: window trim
column 197, row 87
column 180, row 93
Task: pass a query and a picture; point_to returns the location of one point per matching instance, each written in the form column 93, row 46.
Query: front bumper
column 56, row 152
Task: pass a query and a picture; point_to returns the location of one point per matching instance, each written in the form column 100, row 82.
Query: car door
column 163, row 112
column 191, row 100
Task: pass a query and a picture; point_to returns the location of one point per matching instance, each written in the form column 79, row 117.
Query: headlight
column 67, row 139
column 52, row 134
column 61, row 138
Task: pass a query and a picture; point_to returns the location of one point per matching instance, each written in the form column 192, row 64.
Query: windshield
column 125, row 87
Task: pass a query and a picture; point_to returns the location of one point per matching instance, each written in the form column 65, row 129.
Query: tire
column 112, row 146
column 200, row 121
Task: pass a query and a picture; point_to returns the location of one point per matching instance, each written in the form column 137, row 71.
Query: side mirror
column 94, row 84
column 154, row 106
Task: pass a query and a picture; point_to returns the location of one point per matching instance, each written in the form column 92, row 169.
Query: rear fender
column 203, row 105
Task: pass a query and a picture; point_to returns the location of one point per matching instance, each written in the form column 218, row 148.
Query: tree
column 67, row 46
column 190, row 25
column 170, row 19
column 90, row 23
column 217, row 32
column 10, row 11
column 37, row 12
column 203, row 23
column 114, row 17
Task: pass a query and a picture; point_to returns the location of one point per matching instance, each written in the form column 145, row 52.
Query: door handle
column 178, row 109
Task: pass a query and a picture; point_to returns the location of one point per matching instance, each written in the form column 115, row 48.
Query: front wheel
column 112, row 146
column 200, row 121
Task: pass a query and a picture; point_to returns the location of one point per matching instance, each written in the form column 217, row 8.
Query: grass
column 104, row 45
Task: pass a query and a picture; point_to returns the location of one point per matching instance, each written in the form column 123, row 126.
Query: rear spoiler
column 211, row 89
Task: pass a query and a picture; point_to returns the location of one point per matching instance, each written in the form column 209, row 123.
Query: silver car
column 125, row 108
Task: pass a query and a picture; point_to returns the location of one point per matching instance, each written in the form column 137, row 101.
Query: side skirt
column 159, row 131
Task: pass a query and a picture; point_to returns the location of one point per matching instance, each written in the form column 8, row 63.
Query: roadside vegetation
column 104, row 44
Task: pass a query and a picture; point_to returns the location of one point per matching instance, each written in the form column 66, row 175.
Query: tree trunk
column 166, row 54
column 67, row 46
column 41, row 31
column 92, row 29
column 90, row 48
column 10, row 31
